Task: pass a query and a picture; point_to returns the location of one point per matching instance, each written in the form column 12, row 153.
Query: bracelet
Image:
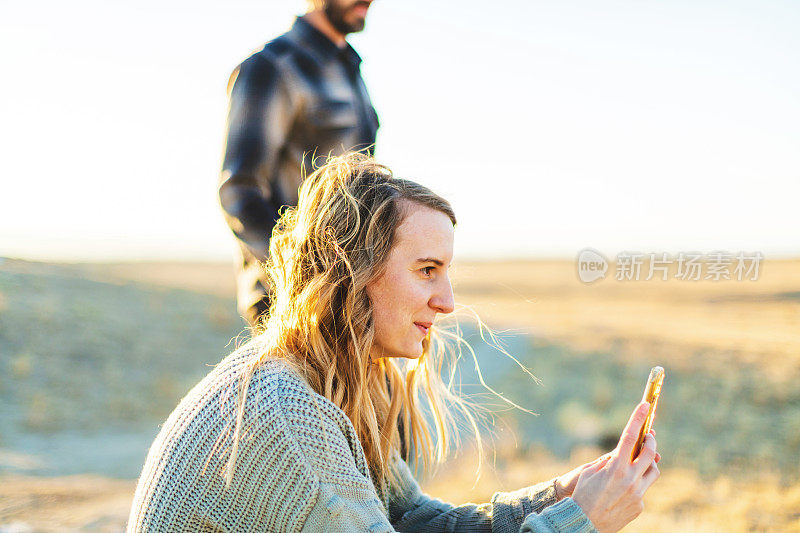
column 555, row 490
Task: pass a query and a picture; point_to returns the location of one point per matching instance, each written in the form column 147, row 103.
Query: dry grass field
column 694, row 325
column 97, row 355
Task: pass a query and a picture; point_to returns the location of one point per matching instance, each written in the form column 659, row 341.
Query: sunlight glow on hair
column 323, row 253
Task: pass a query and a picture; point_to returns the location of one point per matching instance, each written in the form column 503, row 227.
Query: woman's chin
column 408, row 353
column 411, row 353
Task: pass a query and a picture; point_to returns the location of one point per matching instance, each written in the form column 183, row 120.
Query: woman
column 306, row 427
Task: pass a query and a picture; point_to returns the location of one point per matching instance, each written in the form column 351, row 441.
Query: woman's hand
column 611, row 488
column 565, row 485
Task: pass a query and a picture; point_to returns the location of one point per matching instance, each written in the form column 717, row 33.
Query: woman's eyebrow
column 430, row 260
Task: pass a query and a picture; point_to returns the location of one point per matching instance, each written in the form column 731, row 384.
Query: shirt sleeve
column 259, row 118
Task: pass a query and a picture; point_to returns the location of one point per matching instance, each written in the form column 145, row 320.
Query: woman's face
column 414, row 286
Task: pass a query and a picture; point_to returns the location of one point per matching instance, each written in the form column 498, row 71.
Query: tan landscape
column 725, row 331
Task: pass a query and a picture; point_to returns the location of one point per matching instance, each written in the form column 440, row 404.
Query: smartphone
column 651, row 392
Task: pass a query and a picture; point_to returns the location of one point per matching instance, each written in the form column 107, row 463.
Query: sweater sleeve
column 338, row 495
column 529, row 510
column 320, row 442
column 356, row 508
column 346, row 508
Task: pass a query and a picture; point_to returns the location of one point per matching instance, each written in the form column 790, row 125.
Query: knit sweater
column 301, row 468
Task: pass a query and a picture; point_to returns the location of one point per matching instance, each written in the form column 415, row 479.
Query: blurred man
column 300, row 98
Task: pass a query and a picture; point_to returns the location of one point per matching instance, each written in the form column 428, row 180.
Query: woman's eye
column 427, row 270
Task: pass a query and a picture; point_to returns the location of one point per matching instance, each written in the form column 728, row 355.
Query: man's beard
column 335, row 14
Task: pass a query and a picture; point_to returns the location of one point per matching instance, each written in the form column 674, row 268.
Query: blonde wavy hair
column 323, row 253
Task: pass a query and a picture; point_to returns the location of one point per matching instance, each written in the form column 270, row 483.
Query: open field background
column 94, row 357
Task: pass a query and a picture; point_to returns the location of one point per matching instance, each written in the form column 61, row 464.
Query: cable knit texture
column 301, row 468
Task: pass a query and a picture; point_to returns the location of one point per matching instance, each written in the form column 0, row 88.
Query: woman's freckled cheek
column 388, row 289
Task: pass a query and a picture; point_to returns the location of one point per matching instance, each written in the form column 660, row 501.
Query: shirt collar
column 320, row 46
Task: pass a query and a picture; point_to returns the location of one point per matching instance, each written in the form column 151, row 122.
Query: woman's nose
column 443, row 301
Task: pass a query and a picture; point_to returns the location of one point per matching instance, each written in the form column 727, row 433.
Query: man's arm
column 259, row 119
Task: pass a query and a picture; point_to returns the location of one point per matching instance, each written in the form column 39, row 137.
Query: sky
column 654, row 126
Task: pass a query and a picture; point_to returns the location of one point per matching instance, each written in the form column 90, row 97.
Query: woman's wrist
column 558, row 489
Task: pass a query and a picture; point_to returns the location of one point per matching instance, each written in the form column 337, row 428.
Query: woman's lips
column 423, row 327
column 360, row 10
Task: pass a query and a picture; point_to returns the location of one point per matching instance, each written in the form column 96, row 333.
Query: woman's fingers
column 646, row 457
column 612, row 496
column 598, row 464
column 631, row 431
column 650, row 476
column 603, row 457
column 658, row 455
